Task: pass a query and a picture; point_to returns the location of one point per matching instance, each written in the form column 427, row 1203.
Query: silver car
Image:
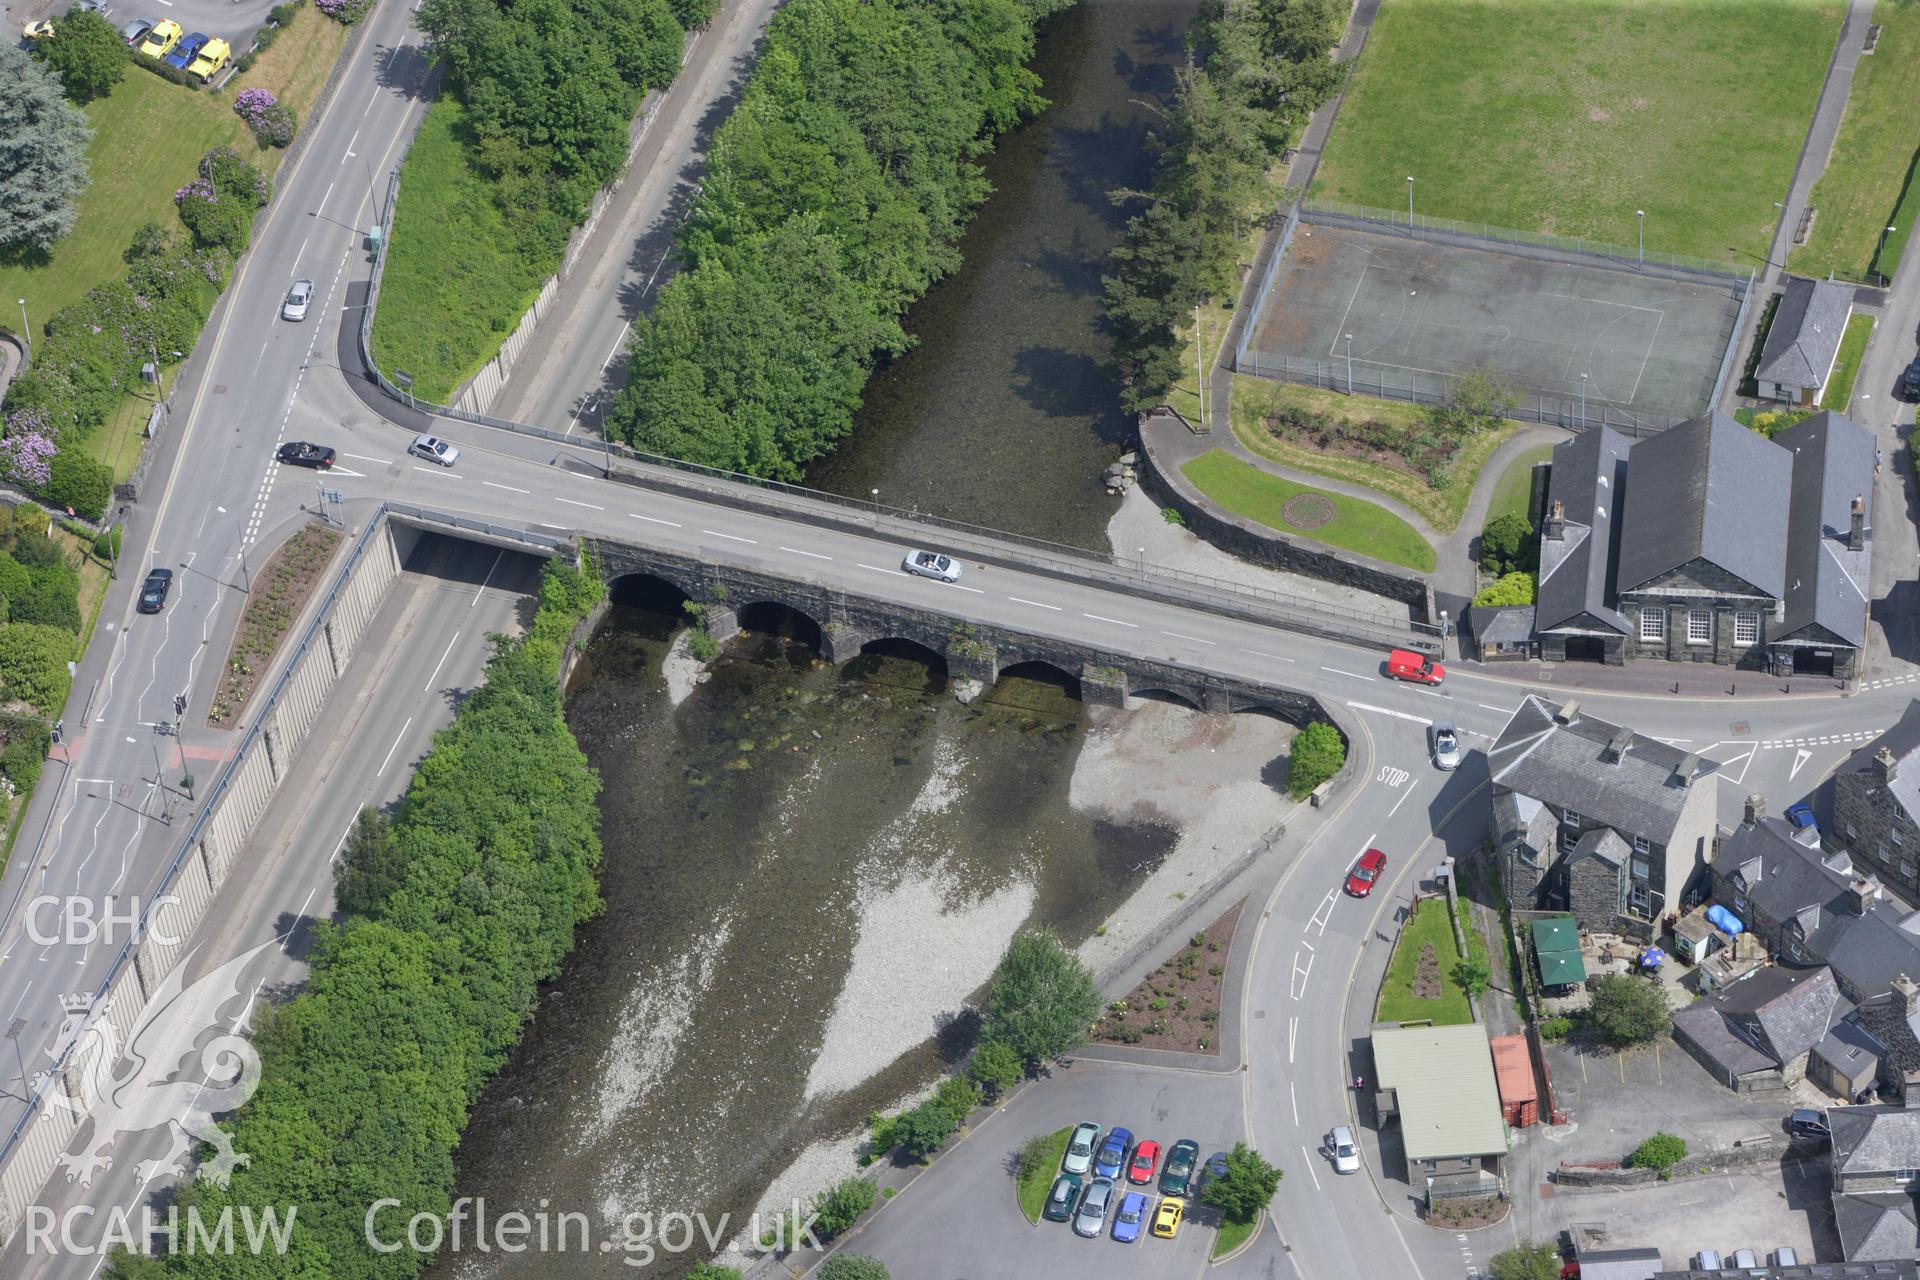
column 1080, row 1149
column 1092, row 1217
column 298, row 299
column 1342, row 1151
column 1446, row 745
column 434, row 449
column 931, row 564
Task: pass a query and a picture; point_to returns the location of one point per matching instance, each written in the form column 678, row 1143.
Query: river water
column 1004, row 415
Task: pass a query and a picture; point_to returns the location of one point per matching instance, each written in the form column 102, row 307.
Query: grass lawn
column 148, row 136
column 1846, row 365
column 1232, row 1235
column 1359, row 526
column 118, row 440
column 1566, row 118
column 1255, row 398
column 1514, row 488
column 1034, row 1186
column 442, row 315
column 1428, row 926
column 1868, row 182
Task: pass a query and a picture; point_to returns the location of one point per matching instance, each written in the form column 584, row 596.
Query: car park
column 1176, row 1175
column 1405, row 664
column 1112, row 1156
column 1340, row 1149
column 299, row 453
column 931, row 564
column 1079, row 1158
column 1133, row 1212
column 1365, row 872
column 153, row 592
column 1145, row 1157
column 1166, row 1218
column 136, row 31
column 186, row 51
column 1445, row 740
column 207, row 62
column 1062, row 1198
column 434, row 449
column 299, row 298
column 160, row 40
column 1091, row 1218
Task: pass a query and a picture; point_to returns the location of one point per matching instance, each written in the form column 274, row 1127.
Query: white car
column 931, row 564
column 1080, row 1149
column 434, row 449
column 1446, row 745
column 1342, row 1151
column 298, row 299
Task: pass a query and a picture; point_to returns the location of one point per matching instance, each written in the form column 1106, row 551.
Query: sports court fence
column 1250, row 320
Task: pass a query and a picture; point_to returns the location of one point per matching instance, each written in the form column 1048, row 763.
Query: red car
column 1360, row 880
column 1145, row 1156
column 1404, row 664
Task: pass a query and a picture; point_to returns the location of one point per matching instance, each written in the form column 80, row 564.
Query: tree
column 840, row 1206
column 87, row 53
column 1245, row 1188
column 1043, row 998
column 1512, row 588
column 1662, row 1151
column 959, row 1095
column 33, row 664
column 995, row 1067
column 921, row 1131
column 1508, row 545
column 43, row 155
column 1528, row 1260
column 371, row 866
column 853, row 1266
column 1473, row 974
column 1629, row 1010
column 1317, row 753
column 1480, row 396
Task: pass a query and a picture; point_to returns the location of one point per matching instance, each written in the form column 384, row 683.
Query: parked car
column 1446, row 745
column 1145, row 1157
column 1215, row 1167
column 1805, row 1122
column 38, row 30
column 186, row 51
column 298, row 299
column 931, row 564
column 1079, row 1158
column 165, row 34
column 1800, row 818
column 298, row 453
column 1706, row 1260
column 153, row 592
column 1133, row 1212
column 136, row 31
column 1405, row 664
column 1365, row 872
column 1061, row 1199
column 434, row 449
column 1112, row 1156
column 1092, row 1216
column 1166, row 1218
column 1176, row 1175
column 1743, row 1258
column 1342, row 1151
column 213, row 55
column 1784, row 1256
column 1910, row 380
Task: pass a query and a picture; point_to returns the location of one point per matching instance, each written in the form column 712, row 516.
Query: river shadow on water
column 806, row 871
column 1003, row 414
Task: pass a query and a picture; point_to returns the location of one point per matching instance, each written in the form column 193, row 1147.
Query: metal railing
column 1249, row 321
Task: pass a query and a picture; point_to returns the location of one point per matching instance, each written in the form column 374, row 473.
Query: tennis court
column 1409, row 312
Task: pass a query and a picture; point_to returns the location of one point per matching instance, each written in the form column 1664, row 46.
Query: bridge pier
column 1103, row 686
column 723, row 621
column 971, row 658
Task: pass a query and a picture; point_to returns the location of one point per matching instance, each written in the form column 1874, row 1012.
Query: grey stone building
column 1876, row 803
column 1592, row 819
column 1803, row 340
column 1876, row 1047
column 1709, row 543
column 1876, row 1171
column 1758, row 1034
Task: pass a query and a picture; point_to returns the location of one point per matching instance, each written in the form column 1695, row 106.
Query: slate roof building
column 1759, row 1033
column 1592, row 819
column 1709, row 543
column 1804, row 340
column 1876, row 1151
column 1876, row 803
column 1501, row 631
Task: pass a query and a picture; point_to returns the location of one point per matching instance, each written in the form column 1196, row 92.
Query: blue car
column 1800, row 817
column 186, row 51
column 1108, row 1161
column 1133, row 1212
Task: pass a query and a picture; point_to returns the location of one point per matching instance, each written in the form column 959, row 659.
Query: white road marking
column 428, row 687
column 635, row 515
column 1293, row 1036
column 1385, row 711
column 876, row 568
column 1115, row 621
column 798, row 552
column 1035, row 603
column 509, row 488
column 1295, row 1100
column 364, row 458
column 395, row 747
column 572, row 503
column 731, row 537
column 436, row 471
column 1352, row 674
column 350, row 141
column 1324, row 911
column 1799, row 758
column 1505, row 711
column 1192, row 639
column 1262, row 654
column 975, row 590
column 1309, row 1161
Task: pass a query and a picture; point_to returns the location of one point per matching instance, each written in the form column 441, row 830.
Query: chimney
column 1857, row 531
column 1907, row 994
column 1885, row 764
column 1555, row 527
column 1861, row 894
column 1683, row 772
column 1756, row 808
column 1569, row 711
column 1617, row 747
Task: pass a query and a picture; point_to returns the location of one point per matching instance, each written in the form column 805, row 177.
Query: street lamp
column 1349, row 364
column 876, row 508
column 1143, row 562
column 1876, row 253
column 1409, row 202
column 26, row 330
column 1643, row 235
column 1583, row 402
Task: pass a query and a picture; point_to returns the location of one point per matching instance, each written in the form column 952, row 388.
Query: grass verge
column 1035, row 1183
column 1846, row 365
column 1868, row 184
column 1513, row 491
column 1358, row 526
column 1567, row 118
column 1255, row 398
column 1429, row 926
column 1232, row 1235
column 278, row 593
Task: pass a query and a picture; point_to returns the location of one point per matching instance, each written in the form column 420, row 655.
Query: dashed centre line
column 1115, row 621
column 1035, row 603
column 798, row 552
column 1351, row 675
column 671, row 524
column 570, row 502
column 1190, row 639
column 730, row 537
column 509, row 488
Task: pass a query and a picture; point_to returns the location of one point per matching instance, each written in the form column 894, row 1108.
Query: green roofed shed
column 1562, row 968
column 1557, row 934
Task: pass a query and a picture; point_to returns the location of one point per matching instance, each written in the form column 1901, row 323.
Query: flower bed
column 280, row 591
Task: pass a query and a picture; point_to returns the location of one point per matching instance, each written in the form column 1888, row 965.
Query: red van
column 1404, row 664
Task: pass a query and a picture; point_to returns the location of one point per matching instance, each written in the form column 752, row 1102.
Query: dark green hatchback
column 1176, row 1175
column 1063, row 1198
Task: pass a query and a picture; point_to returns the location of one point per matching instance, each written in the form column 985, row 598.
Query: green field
column 1033, row 1187
column 1359, row 526
column 1428, row 926
column 1515, row 485
column 1568, row 117
column 443, row 315
column 1846, row 365
column 1868, row 184
column 1232, row 1235
column 148, row 137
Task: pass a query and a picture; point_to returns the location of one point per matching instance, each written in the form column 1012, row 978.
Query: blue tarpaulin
column 1724, row 920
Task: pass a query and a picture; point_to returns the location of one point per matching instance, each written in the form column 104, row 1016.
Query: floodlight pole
column 1642, row 213
column 1583, row 402
column 1349, row 364
column 26, row 330
column 1409, row 202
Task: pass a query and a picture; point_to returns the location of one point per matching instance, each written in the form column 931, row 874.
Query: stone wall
column 1752, row 1154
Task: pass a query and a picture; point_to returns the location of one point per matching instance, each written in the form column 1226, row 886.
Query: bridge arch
column 901, row 647
column 1269, row 711
column 778, row 618
column 652, row 591
column 1043, row 672
column 1171, row 696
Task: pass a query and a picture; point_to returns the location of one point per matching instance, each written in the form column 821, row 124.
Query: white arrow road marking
column 1799, row 758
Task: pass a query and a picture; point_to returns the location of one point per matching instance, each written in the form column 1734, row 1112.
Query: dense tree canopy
column 43, row 155
column 1043, row 998
column 86, row 52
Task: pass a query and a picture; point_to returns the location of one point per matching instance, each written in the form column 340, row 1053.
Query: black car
column 1910, row 381
column 298, row 453
column 153, row 592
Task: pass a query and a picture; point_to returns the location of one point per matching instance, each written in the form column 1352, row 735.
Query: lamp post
column 1876, row 253
column 1143, row 563
column 1349, row 364
column 1409, row 202
column 1642, row 214
column 26, row 330
column 1583, row 402
column 876, row 508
